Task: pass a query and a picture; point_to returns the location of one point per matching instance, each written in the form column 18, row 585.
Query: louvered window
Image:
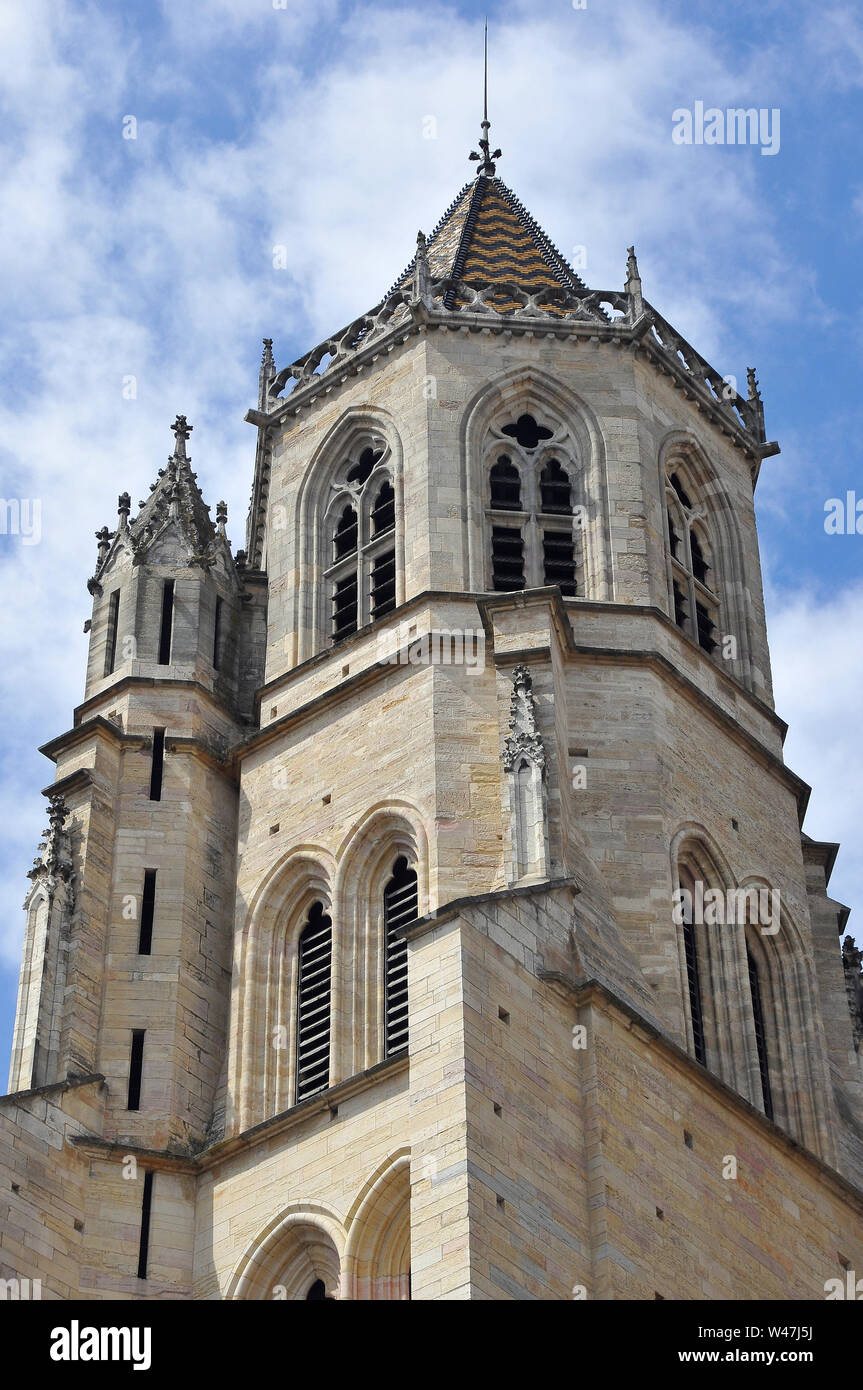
column 692, row 589
column 505, row 486
column 699, row 564
column 383, row 584
column 361, row 574
column 760, row 1034
column 400, row 907
column 507, row 558
column 384, row 510
column 555, row 490
column 693, row 980
column 345, row 539
column 693, row 976
column 680, row 615
column 558, row 553
column 674, row 540
column 345, row 606
column 314, row 987
column 535, row 534
column 705, row 626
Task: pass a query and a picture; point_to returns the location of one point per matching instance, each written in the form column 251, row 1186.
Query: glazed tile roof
column 487, row 236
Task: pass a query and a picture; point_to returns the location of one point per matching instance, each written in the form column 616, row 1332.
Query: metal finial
column 488, row 156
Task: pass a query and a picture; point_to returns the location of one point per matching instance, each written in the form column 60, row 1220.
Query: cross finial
column 488, row 156
column 181, row 431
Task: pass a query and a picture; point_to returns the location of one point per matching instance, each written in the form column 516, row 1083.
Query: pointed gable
column 174, row 514
column 175, row 496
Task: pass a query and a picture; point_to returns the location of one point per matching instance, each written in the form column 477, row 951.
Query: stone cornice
column 821, row 852
column 315, row 1105
column 69, row 1083
column 582, row 993
column 177, row 744
column 200, row 749
column 81, row 732
column 622, row 319
column 447, row 912
column 620, row 656
column 76, row 781
column 347, row 644
column 640, row 327
column 195, row 1163
column 610, row 655
column 158, row 1160
column 155, row 683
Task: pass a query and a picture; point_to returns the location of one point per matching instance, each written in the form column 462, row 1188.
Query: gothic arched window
column 760, row 1026
column 533, row 524
column 693, row 967
column 692, row 583
column 314, row 991
column 361, row 566
column 746, row 991
column 400, row 907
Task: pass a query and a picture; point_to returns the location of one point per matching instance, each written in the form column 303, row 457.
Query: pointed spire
column 422, row 274
column 103, row 544
column 487, row 157
column 756, row 405
column 221, row 515
column 266, row 374
column 181, row 431
column 524, row 739
column 633, row 283
column 174, row 497
column 852, row 960
column 752, row 382
column 53, row 863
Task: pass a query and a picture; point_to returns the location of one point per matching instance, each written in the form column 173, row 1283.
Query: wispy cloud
column 817, row 662
column 306, row 127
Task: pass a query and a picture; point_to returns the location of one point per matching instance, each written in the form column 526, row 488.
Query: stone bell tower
column 355, row 932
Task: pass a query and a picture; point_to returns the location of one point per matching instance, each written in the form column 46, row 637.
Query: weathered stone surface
column 548, row 763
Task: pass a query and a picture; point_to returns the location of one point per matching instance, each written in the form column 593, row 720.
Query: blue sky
column 303, row 127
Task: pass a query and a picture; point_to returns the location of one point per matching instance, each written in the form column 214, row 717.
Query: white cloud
column 817, row 659
column 153, row 257
column 834, row 39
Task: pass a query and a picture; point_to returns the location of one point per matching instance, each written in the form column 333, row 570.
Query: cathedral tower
column 425, row 910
